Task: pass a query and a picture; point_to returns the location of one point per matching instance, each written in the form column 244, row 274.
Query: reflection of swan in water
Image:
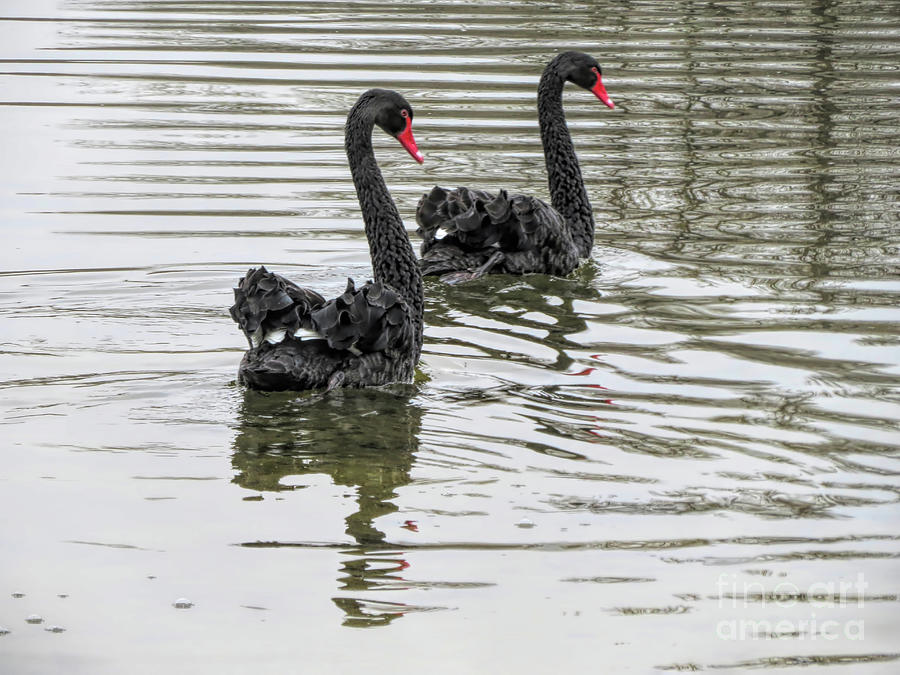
column 551, row 299
column 554, row 315
column 361, row 438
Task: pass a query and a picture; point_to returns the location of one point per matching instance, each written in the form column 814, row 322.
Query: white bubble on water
column 182, row 603
column 4, row 631
column 34, row 618
column 55, row 629
column 525, row 522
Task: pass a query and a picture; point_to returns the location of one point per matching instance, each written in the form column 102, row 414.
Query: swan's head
column 583, row 70
column 394, row 115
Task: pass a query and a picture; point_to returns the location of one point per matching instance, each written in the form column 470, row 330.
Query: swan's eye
column 596, row 72
column 404, row 113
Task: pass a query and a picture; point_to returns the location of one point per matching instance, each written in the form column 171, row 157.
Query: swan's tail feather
column 370, row 319
column 313, row 364
column 267, row 307
column 291, row 364
column 440, row 260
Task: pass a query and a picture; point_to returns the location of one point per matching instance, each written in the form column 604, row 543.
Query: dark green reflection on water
column 537, row 307
column 362, row 439
column 723, row 371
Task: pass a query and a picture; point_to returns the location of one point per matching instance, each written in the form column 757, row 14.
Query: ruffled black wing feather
column 373, row 318
column 268, row 304
column 477, row 219
column 362, row 337
column 476, row 224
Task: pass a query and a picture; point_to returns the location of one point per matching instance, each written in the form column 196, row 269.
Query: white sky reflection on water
column 701, row 423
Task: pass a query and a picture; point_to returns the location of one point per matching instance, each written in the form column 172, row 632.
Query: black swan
column 511, row 233
column 367, row 336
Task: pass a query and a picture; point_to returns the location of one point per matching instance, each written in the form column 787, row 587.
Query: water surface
column 682, row 457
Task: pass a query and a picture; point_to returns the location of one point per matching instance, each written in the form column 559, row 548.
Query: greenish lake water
column 683, row 457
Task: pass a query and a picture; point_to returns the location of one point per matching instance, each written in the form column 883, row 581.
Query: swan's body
column 364, row 337
column 497, row 233
column 490, row 233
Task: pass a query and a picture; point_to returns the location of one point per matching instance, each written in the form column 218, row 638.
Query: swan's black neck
column 393, row 259
column 564, row 175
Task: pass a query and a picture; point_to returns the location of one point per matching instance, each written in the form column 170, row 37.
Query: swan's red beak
column 600, row 92
column 407, row 141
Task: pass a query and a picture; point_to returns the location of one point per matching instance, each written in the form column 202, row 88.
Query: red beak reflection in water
column 600, row 91
column 407, row 141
